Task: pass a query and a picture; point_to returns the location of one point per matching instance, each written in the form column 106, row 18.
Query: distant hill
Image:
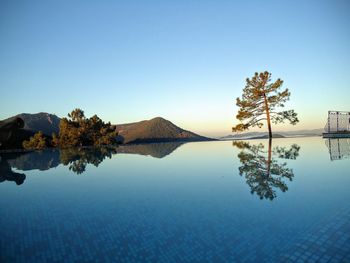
column 280, row 134
column 155, row 130
column 45, row 122
column 305, row 133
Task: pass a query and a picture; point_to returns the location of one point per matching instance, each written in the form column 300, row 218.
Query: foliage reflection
column 78, row 158
column 263, row 170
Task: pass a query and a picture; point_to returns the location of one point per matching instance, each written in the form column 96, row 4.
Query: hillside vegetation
column 41, row 130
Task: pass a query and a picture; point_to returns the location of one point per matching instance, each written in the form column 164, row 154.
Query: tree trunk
column 269, row 157
column 268, row 116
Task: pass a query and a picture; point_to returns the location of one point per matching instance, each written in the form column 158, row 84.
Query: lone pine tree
column 259, row 102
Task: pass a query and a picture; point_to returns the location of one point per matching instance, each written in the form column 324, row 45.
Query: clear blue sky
column 186, row 61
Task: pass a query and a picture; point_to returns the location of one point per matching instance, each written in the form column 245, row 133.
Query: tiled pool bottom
column 145, row 236
column 190, row 206
column 328, row 241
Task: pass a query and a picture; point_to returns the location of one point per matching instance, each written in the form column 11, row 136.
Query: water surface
column 170, row 202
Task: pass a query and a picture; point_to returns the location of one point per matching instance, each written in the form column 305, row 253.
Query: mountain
column 250, row 135
column 313, row 132
column 280, row 134
column 155, row 130
column 45, row 122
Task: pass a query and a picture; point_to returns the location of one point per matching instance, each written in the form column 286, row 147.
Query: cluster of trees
column 76, row 131
column 37, row 142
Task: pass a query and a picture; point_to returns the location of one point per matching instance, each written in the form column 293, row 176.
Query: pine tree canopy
column 259, row 103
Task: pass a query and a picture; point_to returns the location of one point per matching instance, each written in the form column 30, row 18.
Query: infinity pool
column 218, row 201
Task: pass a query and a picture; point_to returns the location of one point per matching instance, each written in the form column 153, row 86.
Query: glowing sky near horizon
column 186, row 61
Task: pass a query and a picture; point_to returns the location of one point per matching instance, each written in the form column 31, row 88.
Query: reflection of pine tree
column 263, row 173
column 78, row 158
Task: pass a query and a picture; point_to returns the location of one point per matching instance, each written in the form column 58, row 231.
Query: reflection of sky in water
column 190, row 206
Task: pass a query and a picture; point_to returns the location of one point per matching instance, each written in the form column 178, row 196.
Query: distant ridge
column 282, row 134
column 42, row 121
column 155, row 130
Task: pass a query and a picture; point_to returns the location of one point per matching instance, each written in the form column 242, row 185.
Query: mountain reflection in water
column 263, row 170
column 75, row 158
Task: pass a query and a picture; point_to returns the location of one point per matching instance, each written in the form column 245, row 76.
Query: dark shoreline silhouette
column 6, row 173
